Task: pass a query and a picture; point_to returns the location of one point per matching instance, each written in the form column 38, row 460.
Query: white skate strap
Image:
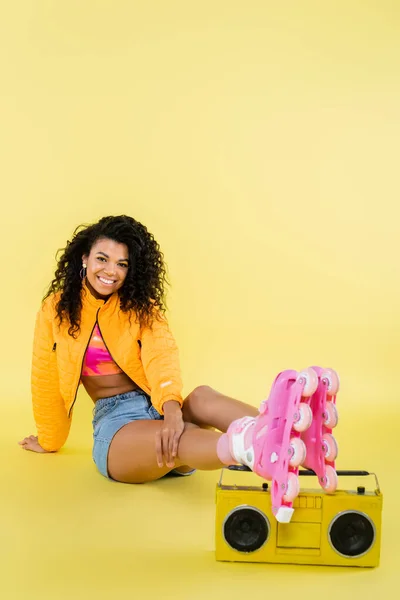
column 284, row 514
column 243, row 455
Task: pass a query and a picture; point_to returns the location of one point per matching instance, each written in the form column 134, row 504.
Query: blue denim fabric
column 110, row 414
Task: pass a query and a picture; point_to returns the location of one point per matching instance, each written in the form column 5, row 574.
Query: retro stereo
column 340, row 529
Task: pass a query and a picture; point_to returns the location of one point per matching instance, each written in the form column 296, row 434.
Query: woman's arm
column 160, row 359
column 52, row 422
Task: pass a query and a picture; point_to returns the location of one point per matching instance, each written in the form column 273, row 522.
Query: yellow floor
column 69, row 533
column 258, row 142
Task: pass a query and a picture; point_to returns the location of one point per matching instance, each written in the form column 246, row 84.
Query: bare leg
column 205, row 406
column 132, row 454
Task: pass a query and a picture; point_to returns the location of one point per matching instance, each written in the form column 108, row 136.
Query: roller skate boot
column 270, row 444
column 322, row 448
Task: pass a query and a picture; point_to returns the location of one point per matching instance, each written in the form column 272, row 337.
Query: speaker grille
column 246, row 529
column 351, row 534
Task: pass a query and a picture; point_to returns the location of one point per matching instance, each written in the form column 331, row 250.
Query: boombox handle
column 308, row 472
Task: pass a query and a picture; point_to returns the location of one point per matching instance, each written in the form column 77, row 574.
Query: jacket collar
column 89, row 299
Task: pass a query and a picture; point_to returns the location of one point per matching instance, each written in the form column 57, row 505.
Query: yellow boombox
column 340, row 529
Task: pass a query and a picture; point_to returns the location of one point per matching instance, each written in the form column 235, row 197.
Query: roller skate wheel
column 311, row 381
column 330, row 415
column 330, row 447
column 292, row 488
column 298, row 452
column 332, row 381
column 303, row 418
column 330, row 481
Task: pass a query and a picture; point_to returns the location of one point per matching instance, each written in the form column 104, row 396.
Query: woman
column 102, row 324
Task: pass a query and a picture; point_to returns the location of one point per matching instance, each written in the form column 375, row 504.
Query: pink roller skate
column 322, row 448
column 270, row 444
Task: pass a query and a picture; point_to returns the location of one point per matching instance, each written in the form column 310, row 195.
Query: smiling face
column 107, row 267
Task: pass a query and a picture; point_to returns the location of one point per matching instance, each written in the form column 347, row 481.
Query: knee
column 198, row 404
column 200, row 393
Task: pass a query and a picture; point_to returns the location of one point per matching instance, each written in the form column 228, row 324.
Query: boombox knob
column 265, row 487
column 360, row 490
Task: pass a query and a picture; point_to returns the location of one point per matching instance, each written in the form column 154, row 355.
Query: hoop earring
column 83, row 275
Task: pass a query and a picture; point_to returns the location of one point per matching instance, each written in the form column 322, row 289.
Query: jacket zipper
column 83, row 358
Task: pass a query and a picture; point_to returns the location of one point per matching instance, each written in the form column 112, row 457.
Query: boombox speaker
column 340, row 529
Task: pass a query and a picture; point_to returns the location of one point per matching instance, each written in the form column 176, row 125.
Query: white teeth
column 106, row 281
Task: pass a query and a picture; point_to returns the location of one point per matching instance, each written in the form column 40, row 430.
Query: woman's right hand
column 31, row 443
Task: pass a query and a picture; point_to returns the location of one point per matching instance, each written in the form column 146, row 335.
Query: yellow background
column 259, row 142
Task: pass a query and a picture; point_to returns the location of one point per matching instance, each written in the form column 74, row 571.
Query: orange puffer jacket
column 149, row 356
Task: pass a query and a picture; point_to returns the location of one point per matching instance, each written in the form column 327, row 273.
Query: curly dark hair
column 143, row 291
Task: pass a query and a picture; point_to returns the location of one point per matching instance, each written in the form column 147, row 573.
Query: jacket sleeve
column 49, row 410
column 160, row 359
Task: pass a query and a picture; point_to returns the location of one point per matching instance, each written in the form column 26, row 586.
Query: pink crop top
column 97, row 360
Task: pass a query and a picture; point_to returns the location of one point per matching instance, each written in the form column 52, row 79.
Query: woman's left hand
column 167, row 437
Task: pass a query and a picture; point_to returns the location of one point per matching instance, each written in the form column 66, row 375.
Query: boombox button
column 360, row 490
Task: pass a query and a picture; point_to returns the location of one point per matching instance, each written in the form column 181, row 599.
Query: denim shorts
column 110, row 414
